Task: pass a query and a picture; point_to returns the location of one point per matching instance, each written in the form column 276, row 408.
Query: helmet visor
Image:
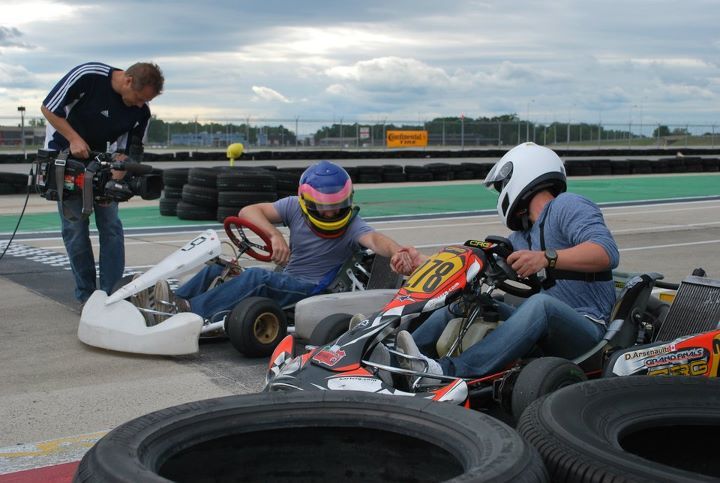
column 328, row 198
column 318, row 206
column 499, row 176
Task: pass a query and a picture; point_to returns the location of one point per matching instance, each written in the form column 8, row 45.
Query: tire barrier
column 312, row 436
column 239, row 187
column 173, row 181
column 13, row 183
column 638, row 428
column 283, row 180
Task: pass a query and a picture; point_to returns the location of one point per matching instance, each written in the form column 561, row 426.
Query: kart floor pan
column 696, row 308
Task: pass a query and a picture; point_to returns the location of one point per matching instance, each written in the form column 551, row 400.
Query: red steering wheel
column 235, row 224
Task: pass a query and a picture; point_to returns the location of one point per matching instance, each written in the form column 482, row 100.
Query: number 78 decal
column 434, row 272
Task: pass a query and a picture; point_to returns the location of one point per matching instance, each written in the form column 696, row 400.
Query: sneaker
column 144, row 300
column 416, row 361
column 167, row 302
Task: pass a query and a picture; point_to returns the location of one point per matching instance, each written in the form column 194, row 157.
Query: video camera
column 59, row 177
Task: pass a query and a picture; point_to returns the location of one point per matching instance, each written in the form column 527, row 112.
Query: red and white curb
column 52, row 461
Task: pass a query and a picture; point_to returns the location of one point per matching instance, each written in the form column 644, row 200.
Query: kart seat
column 358, row 273
column 382, row 276
column 626, row 316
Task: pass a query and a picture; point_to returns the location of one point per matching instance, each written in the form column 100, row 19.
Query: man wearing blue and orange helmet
column 324, row 231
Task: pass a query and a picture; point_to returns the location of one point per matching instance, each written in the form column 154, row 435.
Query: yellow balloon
column 235, row 150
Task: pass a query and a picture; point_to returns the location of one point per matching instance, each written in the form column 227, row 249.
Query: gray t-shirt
column 573, row 219
column 311, row 256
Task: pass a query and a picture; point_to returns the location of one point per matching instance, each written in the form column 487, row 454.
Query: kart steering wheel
column 235, row 224
column 513, row 284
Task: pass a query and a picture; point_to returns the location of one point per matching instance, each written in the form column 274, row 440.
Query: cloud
column 391, row 74
column 268, row 94
column 408, row 59
column 8, row 36
column 15, row 76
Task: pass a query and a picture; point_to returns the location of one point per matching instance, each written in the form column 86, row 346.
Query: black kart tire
column 329, row 329
column 225, row 211
column 244, row 198
column 175, row 177
column 189, row 211
column 638, row 428
column 540, row 377
column 200, row 195
column 247, row 180
column 168, row 207
column 172, row 193
column 256, row 326
column 312, row 436
column 203, row 177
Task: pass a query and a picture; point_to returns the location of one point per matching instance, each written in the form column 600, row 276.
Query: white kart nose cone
column 121, row 327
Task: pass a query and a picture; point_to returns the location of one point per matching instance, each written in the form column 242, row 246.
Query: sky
column 609, row 61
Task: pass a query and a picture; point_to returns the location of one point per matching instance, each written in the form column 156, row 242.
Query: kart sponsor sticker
column 345, row 383
column 653, row 351
column 329, row 356
column 663, row 360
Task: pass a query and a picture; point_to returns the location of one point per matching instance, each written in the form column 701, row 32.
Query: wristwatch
column 551, row 256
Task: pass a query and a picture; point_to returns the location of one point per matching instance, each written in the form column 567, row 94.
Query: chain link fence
column 449, row 133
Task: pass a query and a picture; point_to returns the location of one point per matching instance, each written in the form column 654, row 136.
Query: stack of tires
column 478, row 170
column 199, row 195
column 418, row 173
column 440, row 171
column 393, row 173
column 288, row 180
column 369, row 174
column 239, row 187
column 173, row 181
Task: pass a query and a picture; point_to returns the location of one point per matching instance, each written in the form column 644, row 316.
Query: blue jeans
column 76, row 236
column 282, row 288
column 541, row 321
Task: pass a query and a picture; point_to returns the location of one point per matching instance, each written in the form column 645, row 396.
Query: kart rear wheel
column 540, row 377
column 255, row 326
column 330, row 328
column 312, row 436
column 639, row 428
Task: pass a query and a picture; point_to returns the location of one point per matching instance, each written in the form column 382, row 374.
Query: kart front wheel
column 330, row 328
column 255, row 326
column 540, row 377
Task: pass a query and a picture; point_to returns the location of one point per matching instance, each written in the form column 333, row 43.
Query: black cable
column 27, row 197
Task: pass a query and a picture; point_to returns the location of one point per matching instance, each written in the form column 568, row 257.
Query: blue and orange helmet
column 325, row 186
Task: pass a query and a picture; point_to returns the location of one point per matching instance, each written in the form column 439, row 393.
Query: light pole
column 21, row 109
column 527, row 121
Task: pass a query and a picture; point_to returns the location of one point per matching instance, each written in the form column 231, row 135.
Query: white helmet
column 521, row 173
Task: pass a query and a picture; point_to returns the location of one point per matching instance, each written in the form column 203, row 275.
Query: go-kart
column 363, row 358
column 254, row 326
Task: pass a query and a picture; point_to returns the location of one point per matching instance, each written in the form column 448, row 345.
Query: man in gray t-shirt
column 561, row 233
column 324, row 232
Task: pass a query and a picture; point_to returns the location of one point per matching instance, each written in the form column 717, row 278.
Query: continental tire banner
column 406, row 139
